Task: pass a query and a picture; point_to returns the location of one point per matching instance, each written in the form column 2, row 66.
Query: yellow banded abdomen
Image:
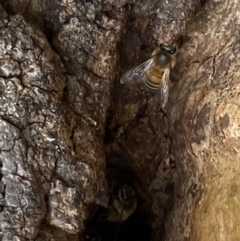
column 153, row 78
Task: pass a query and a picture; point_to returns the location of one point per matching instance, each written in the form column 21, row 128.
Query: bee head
column 170, row 49
column 126, row 193
column 164, row 55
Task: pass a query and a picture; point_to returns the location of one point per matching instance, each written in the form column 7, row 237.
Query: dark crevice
column 136, row 227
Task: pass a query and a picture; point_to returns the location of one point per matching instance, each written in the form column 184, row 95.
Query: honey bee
column 154, row 73
column 122, row 205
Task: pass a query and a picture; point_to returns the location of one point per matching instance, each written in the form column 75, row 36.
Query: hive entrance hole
column 135, row 227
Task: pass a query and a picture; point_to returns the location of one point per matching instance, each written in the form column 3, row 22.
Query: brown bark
column 68, row 128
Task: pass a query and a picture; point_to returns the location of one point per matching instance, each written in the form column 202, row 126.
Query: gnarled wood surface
column 68, row 128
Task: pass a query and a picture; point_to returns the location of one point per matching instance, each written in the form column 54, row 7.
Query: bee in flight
column 154, row 73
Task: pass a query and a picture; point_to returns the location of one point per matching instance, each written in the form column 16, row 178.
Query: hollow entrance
column 135, row 227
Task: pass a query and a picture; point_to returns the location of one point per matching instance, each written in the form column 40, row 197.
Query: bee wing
column 165, row 87
column 137, row 73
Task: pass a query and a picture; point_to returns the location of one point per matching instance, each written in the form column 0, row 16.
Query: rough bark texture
column 69, row 129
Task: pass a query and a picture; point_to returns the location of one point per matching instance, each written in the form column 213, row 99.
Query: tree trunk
column 70, row 130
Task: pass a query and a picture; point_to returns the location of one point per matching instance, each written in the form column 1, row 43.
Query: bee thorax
column 163, row 60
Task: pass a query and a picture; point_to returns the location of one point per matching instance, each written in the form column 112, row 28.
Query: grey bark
column 67, row 125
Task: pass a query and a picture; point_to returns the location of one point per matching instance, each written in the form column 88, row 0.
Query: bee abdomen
column 150, row 85
column 153, row 80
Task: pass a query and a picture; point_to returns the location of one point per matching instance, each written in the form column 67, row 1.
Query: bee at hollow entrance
column 120, row 221
column 122, row 205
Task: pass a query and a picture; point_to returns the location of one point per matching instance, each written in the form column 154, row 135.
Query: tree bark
column 69, row 129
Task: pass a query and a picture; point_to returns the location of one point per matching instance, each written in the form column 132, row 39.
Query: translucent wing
column 137, row 73
column 165, row 87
